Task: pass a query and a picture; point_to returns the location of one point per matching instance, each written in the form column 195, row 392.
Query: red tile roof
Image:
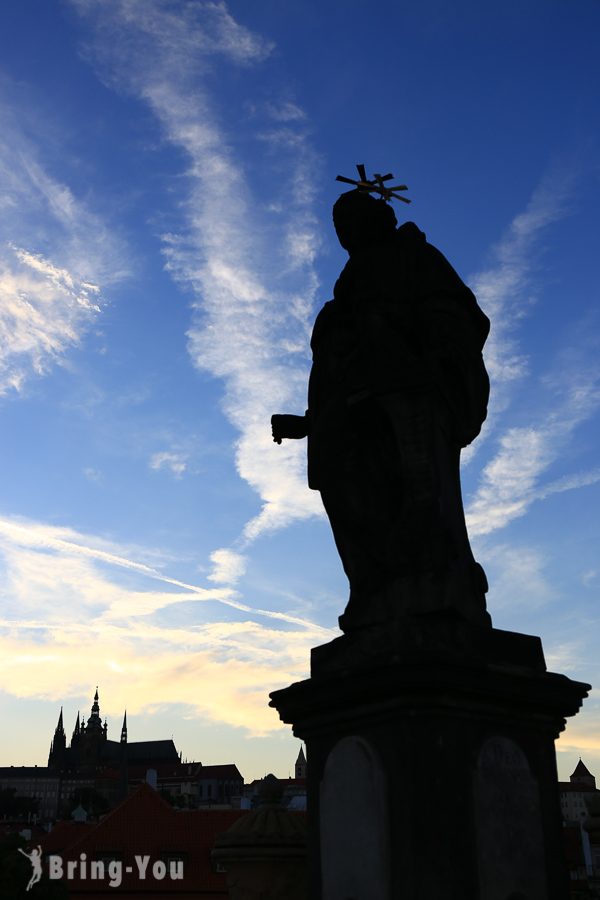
column 144, row 824
column 64, row 835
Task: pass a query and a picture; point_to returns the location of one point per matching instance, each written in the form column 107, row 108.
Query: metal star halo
column 376, row 184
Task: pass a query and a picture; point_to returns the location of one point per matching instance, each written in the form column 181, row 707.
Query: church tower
column 582, row 775
column 58, row 746
column 76, row 733
column 124, row 769
column 301, row 765
column 94, row 723
column 92, row 735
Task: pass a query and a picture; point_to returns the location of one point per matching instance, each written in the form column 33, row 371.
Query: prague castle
column 90, row 747
column 93, row 764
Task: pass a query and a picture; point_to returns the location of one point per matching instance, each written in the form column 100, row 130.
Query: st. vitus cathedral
column 90, row 747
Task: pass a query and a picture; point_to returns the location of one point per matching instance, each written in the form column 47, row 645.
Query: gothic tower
column 92, row 735
column 56, row 758
column 301, row 764
column 124, row 778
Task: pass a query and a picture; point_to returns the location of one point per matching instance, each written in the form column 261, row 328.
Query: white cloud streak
column 53, row 253
column 44, row 311
column 506, row 289
column 197, row 31
column 251, row 274
column 513, row 479
column 138, row 666
column 569, row 483
column 510, row 482
column 44, row 543
column 62, row 588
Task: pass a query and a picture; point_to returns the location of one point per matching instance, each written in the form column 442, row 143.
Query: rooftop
column 144, row 824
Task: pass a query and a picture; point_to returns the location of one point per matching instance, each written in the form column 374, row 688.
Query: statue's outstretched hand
column 285, row 426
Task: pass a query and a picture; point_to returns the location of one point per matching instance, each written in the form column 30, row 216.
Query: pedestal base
column 431, row 764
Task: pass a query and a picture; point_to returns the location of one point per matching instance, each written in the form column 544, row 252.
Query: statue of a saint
column 397, row 388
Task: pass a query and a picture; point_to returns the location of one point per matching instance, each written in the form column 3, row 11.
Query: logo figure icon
column 35, row 858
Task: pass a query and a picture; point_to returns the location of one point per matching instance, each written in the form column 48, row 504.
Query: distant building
column 90, row 748
column 92, row 764
column 574, row 793
column 292, row 791
column 579, row 799
column 192, row 784
column 34, row 782
column 301, row 764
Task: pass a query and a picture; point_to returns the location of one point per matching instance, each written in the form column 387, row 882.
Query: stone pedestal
column 264, row 855
column 431, row 764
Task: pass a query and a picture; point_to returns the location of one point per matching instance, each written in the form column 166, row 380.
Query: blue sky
column 166, row 180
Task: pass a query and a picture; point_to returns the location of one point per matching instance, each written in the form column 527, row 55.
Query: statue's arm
column 286, row 426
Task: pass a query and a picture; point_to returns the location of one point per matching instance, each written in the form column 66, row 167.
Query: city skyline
column 167, row 171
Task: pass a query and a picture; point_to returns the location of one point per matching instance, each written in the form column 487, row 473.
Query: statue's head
column 361, row 221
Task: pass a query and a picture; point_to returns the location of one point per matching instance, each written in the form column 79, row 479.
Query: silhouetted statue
column 397, row 388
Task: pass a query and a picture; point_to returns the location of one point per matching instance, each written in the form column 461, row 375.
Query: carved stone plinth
column 264, row 855
column 431, row 764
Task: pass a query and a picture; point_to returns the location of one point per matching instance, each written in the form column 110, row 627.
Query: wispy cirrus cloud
column 569, row 483
column 247, row 256
column 56, row 582
column 508, row 287
column 46, row 550
column 42, row 212
column 44, row 311
column 517, row 475
column 513, row 479
column 137, row 667
column 507, row 290
column 199, row 32
column 54, row 253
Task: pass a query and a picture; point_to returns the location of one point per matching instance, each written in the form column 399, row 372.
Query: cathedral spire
column 94, row 723
column 58, row 745
column 124, row 729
